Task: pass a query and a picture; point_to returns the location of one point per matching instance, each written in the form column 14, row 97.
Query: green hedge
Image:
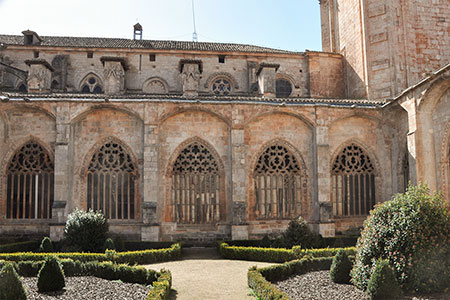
column 130, row 257
column 259, row 279
column 160, row 289
column 20, row 247
column 276, row 255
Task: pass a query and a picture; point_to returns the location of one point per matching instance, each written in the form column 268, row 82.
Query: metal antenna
column 194, row 35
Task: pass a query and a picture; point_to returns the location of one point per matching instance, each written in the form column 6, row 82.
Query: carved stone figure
column 190, row 79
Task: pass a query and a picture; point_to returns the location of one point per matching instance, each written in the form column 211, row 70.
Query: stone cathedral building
column 197, row 141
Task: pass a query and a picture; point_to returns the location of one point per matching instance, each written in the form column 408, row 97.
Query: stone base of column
column 57, row 231
column 239, row 232
column 150, row 233
column 327, row 229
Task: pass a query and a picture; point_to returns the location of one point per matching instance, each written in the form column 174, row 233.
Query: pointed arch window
column 91, row 84
column 111, row 182
column 196, row 184
column 278, row 184
column 353, row 182
column 30, row 183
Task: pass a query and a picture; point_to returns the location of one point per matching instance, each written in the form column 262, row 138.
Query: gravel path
column 318, row 286
column 203, row 275
column 82, row 288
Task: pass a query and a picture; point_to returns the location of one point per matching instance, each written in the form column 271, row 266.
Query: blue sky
column 284, row 24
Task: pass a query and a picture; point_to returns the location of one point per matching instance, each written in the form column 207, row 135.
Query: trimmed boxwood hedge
column 276, row 255
column 20, row 246
column 130, row 257
column 160, row 289
column 259, row 279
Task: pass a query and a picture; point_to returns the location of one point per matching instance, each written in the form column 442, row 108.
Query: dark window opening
column 221, row 59
column 90, row 54
column 85, row 89
column 22, row 88
column 54, row 84
column 98, row 90
column 152, row 57
column 283, row 88
column 36, row 54
column 91, row 80
column 28, row 39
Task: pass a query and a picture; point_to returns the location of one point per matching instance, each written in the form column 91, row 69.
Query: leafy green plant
column 341, row 267
column 46, row 245
column 109, row 244
column 298, row 233
column 50, row 276
column 412, row 231
column 11, row 286
column 86, row 230
column 383, row 284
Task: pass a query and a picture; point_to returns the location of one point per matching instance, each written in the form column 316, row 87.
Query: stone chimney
column 190, row 72
column 266, row 79
column 31, row 38
column 114, row 74
column 39, row 76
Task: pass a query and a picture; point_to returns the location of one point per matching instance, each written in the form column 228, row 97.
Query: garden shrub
column 109, row 245
column 11, row 286
column 46, row 245
column 160, row 289
column 412, row 231
column 19, row 247
column 341, row 267
column 298, row 233
column 86, row 231
column 382, row 283
column 51, row 276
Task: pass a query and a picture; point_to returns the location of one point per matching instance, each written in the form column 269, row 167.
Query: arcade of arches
column 167, row 171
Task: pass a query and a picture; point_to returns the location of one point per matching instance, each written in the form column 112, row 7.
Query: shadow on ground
column 199, row 253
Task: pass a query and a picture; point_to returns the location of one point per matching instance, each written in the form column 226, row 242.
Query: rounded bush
column 46, row 245
column 383, row 284
column 109, row 244
column 341, row 267
column 11, row 286
column 298, row 233
column 412, row 231
column 86, row 231
column 51, row 276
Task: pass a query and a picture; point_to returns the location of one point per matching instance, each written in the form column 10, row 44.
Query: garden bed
column 88, row 287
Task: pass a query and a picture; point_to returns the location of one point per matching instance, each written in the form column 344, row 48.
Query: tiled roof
column 93, row 42
column 200, row 99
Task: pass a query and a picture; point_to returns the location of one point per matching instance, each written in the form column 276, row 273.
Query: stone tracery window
column 278, row 184
column 30, row 183
column 111, row 182
column 353, row 182
column 221, row 86
column 91, row 84
column 196, row 184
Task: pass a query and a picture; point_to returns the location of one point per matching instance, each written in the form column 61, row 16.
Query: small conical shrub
column 382, row 283
column 46, row 245
column 11, row 286
column 109, row 244
column 51, row 276
column 341, row 267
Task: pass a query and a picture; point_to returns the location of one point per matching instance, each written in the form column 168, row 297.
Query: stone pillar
column 266, row 79
column 39, row 76
column 190, row 71
column 113, row 75
column 150, row 229
column 326, row 224
column 62, row 170
column 239, row 227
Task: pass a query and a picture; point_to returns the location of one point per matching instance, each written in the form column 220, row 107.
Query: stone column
column 62, row 171
column 150, row 229
column 326, row 224
column 239, row 228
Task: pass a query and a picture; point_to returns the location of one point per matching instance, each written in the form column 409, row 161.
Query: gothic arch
column 445, row 162
column 434, row 93
column 180, row 110
column 31, row 107
column 160, row 84
column 93, row 108
column 355, row 180
column 310, row 124
column 30, row 164
column 195, row 189
column 92, row 85
column 357, row 115
column 278, row 186
column 214, row 76
column 111, row 185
